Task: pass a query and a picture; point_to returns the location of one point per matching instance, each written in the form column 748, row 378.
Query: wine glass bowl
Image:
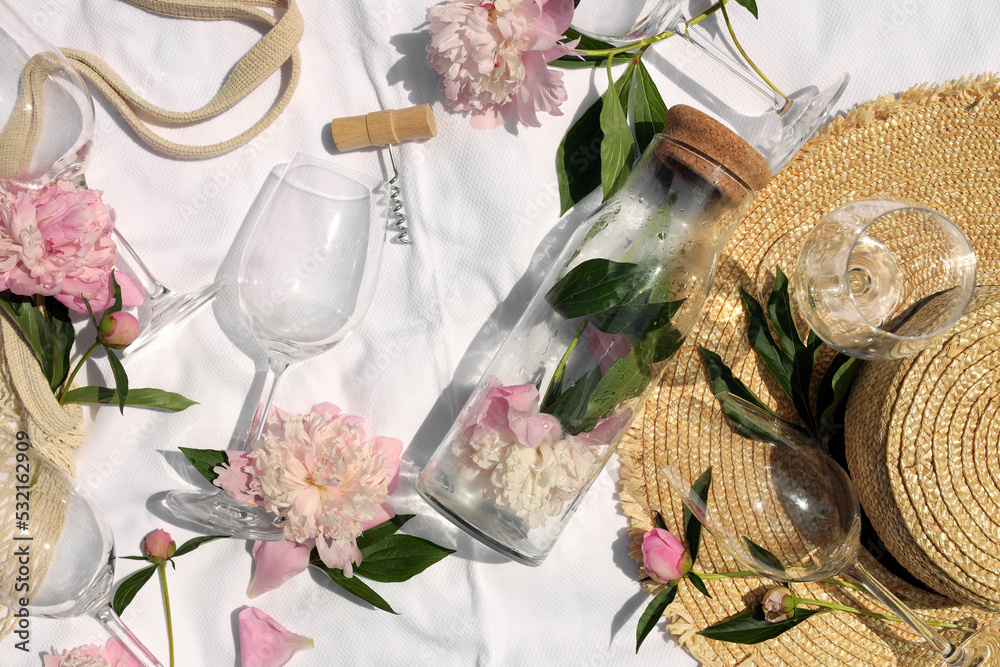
column 880, row 279
column 61, row 559
column 306, row 278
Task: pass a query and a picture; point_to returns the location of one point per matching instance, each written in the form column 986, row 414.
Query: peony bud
column 119, row 330
column 664, row 557
column 778, row 603
column 158, row 546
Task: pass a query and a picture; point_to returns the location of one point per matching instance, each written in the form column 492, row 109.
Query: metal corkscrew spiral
column 385, row 128
column 396, row 204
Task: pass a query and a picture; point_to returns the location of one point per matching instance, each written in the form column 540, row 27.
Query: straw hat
column 922, row 433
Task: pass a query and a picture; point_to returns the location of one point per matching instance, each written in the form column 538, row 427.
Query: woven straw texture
column 934, row 145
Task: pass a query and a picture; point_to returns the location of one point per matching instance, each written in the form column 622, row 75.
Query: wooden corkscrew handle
column 380, row 128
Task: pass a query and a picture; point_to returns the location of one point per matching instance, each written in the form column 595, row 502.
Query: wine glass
column 306, row 278
column 799, row 115
column 880, row 279
column 60, row 557
column 49, row 134
column 793, row 515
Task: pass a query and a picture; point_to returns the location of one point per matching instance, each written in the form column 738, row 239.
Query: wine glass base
column 983, row 646
column 219, row 513
column 170, row 310
column 803, row 114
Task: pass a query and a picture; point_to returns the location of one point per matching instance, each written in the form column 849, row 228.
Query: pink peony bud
column 274, row 563
column 778, row 603
column 664, row 557
column 158, row 546
column 119, row 329
column 264, row 643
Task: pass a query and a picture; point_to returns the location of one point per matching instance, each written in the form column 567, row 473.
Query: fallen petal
column 264, row 643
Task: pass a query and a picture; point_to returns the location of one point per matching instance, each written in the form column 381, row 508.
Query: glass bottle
column 565, row 384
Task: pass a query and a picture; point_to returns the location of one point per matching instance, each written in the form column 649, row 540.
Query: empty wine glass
column 792, row 515
column 880, row 279
column 49, row 134
column 306, row 279
column 60, row 557
column 799, row 115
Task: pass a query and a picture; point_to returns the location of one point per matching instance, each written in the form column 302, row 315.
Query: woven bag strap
column 277, row 46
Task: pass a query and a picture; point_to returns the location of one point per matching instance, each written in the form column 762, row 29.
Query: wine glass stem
column 275, row 369
column 109, row 618
column 954, row 656
column 698, row 38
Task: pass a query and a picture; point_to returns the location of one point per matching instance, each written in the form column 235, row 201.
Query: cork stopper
column 707, row 135
column 379, row 128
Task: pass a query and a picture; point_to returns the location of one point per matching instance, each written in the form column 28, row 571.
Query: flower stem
column 873, row 614
column 79, row 365
column 749, row 573
column 162, row 568
column 655, row 38
column 732, row 33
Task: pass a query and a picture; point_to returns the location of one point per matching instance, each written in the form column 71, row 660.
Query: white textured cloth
column 484, row 214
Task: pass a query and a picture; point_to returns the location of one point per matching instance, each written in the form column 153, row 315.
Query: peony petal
column 390, row 448
column 234, row 479
column 264, row 642
column 118, row 655
column 326, row 409
column 385, row 512
column 133, row 293
column 275, row 563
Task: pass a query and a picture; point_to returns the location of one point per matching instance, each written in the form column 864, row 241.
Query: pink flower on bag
column 264, row 643
column 510, row 414
column 664, row 557
column 112, row 654
column 492, row 57
column 322, row 475
column 56, row 241
column 604, row 347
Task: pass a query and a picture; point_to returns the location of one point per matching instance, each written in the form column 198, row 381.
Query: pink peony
column 119, row 329
column 322, row 475
column 664, row 557
column 112, row 654
column 492, row 57
column 778, row 603
column 604, row 347
column 158, row 546
column 56, row 241
column 274, row 563
column 264, row 643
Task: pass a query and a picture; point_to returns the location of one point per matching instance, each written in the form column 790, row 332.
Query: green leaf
column 121, row 378
column 399, row 557
column 722, row 379
column 636, row 318
column 141, row 397
column 658, row 519
column 764, row 556
column 556, row 383
column 698, row 583
column 779, row 309
column 571, row 407
column 31, row 324
column 132, row 557
column 648, row 107
column 833, row 390
column 751, row 627
column 750, row 5
column 129, row 587
column 380, row 532
column 594, row 286
column 759, row 335
column 196, row 542
column 116, row 303
column 204, row 460
column 653, row 613
column 352, row 585
column 618, row 149
column 63, row 337
column 626, row 378
column 692, row 526
column 578, row 158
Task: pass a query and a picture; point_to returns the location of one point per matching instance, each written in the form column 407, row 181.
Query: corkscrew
column 385, row 128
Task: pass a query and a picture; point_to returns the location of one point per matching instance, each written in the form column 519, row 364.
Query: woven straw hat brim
column 939, row 146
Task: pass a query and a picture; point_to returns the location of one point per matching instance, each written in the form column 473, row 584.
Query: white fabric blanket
column 484, row 212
